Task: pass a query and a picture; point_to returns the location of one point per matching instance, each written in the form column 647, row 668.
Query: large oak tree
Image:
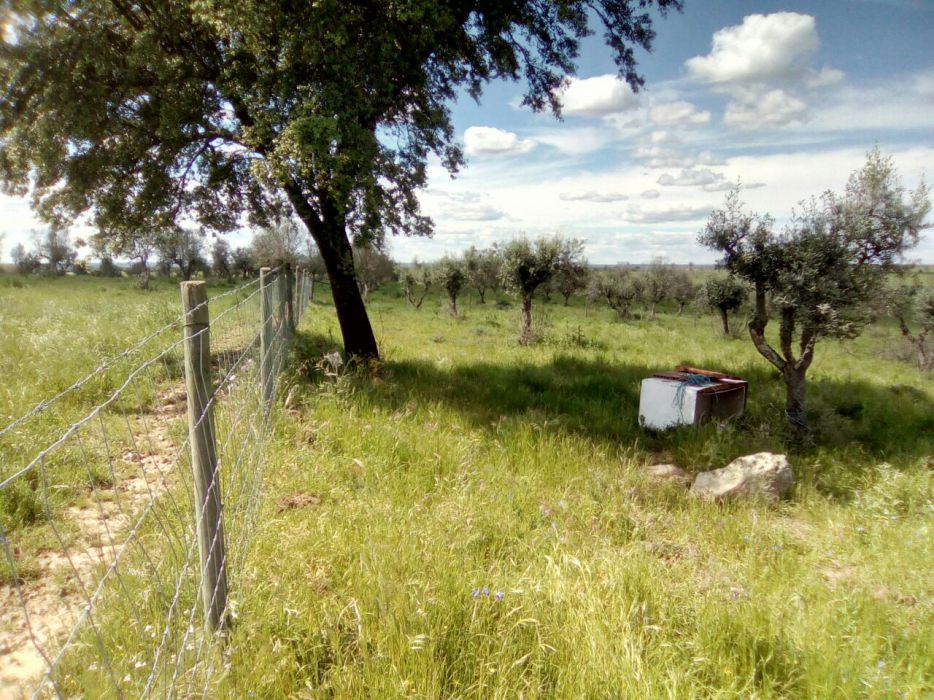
column 141, row 113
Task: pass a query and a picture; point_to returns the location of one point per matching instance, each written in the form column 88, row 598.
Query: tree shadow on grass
column 859, row 422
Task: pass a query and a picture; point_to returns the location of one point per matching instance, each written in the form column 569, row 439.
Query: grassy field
column 474, row 521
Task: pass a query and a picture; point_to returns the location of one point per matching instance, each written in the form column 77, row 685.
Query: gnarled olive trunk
column 525, row 336
column 794, row 397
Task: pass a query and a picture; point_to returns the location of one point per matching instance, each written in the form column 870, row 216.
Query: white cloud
column 772, row 109
column 592, row 196
column 677, row 213
column 597, row 97
column 690, row 177
column 824, row 77
column 658, row 157
column 763, row 48
column 664, row 137
column 678, row 113
column 651, row 194
column 488, row 140
column 574, row 141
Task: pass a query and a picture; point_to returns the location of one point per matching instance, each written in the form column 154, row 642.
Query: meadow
column 473, row 518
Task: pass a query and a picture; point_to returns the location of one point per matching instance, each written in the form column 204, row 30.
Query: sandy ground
column 35, row 619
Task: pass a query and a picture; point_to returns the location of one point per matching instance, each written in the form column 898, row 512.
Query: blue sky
column 783, row 97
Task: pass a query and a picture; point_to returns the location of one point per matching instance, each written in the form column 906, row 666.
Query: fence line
column 117, row 556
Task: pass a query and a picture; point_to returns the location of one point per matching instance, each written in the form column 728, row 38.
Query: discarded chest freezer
column 690, row 396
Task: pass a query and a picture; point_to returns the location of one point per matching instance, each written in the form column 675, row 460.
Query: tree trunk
column 453, row 308
column 724, row 318
column 567, row 297
column 653, row 309
column 794, row 397
column 328, row 228
column 680, row 307
column 525, row 336
column 337, row 254
column 482, row 292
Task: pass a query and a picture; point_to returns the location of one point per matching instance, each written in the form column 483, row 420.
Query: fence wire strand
column 101, row 575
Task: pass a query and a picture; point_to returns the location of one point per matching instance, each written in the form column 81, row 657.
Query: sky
column 784, row 98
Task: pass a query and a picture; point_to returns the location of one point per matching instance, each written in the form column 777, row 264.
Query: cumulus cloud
column 678, row 113
column 592, row 196
column 664, row 215
column 664, row 137
column 763, row 48
column 658, row 157
column 597, row 97
column 772, row 109
column 488, row 140
column 465, row 206
column 705, row 179
column 651, row 194
column 690, row 177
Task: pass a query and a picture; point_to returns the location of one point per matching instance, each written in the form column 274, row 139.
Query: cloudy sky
column 786, row 101
column 782, row 97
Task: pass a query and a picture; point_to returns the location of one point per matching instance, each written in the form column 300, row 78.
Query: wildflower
column 499, row 595
column 486, row 591
column 861, row 529
column 475, row 593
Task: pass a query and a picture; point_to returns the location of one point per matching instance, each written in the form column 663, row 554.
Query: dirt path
column 53, row 600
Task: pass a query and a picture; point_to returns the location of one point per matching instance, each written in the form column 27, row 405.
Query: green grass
column 471, row 462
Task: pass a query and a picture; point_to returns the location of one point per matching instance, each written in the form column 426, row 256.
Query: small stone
column 762, row 474
column 669, row 472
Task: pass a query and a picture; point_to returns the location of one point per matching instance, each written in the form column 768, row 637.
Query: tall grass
column 475, row 522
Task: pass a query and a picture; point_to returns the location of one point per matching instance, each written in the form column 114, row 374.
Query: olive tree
column 145, row 115
column 616, row 287
column 138, row 246
column 912, row 306
column 244, row 262
column 657, row 284
column 183, row 248
column 824, row 270
column 683, row 291
column 526, row 266
column 482, row 268
column 222, row 259
column 53, row 247
column 725, row 294
column 416, row 283
column 572, row 272
column 374, row 269
column 450, row 275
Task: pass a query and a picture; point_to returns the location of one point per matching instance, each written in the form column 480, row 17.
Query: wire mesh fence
column 116, row 556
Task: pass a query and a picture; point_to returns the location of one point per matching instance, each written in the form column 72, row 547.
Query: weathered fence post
column 204, row 465
column 299, row 290
column 267, row 333
column 289, row 301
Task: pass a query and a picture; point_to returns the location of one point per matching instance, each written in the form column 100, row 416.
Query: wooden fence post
column 289, row 301
column 299, row 281
column 267, row 333
column 207, row 492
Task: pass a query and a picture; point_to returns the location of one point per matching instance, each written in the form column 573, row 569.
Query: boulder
column 669, row 472
column 762, row 474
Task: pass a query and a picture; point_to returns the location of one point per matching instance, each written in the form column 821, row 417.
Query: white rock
column 763, row 474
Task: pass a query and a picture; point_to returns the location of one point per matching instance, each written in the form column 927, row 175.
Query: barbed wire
column 106, row 590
